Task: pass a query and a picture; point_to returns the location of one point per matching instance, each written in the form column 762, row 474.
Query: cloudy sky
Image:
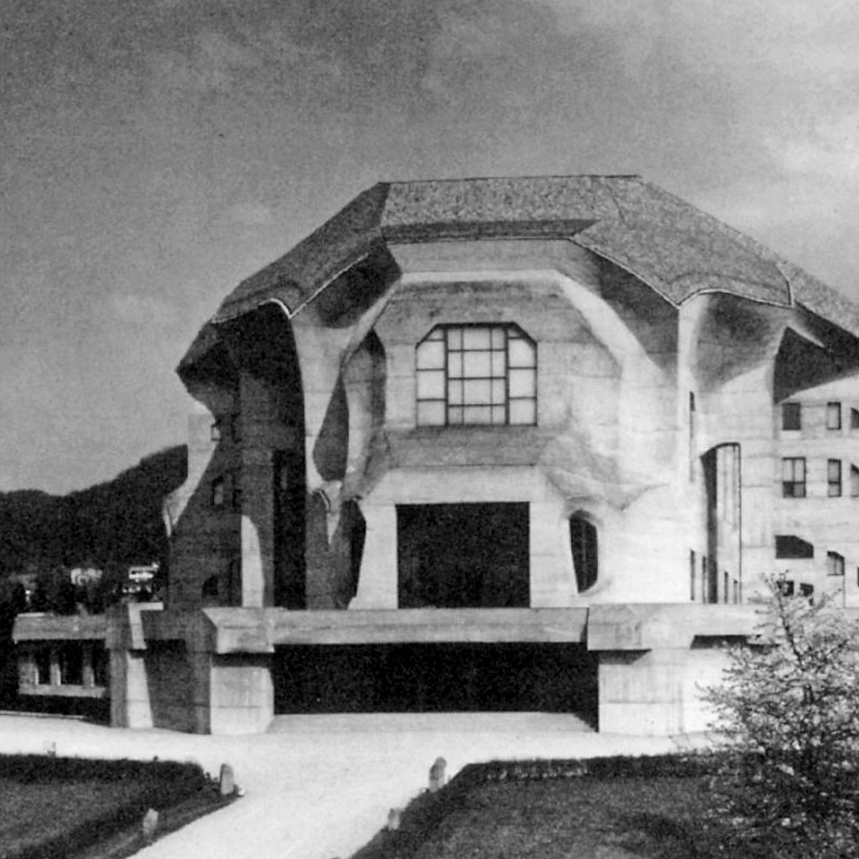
column 155, row 152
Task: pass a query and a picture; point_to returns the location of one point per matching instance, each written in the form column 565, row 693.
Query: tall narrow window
column 854, row 481
column 791, row 416
column 476, row 374
column 834, row 564
column 583, row 541
column 692, row 575
column 218, row 492
column 793, row 477
column 833, row 478
column 854, row 418
column 833, row 416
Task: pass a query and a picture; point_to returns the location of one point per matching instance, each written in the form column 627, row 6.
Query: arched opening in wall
column 721, row 467
column 585, row 549
column 445, row 677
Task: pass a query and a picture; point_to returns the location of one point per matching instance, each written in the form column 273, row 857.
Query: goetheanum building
column 498, row 444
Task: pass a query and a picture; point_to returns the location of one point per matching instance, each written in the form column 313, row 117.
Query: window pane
column 476, row 364
column 499, row 363
column 431, row 355
column 477, row 392
column 475, row 338
column 523, row 412
column 499, row 415
column 499, row 337
column 498, row 395
column 791, row 416
column 454, row 338
column 522, row 383
column 454, row 365
column 454, row 393
column 431, row 414
column 431, row 385
column 477, row 415
column 522, row 354
column 454, row 415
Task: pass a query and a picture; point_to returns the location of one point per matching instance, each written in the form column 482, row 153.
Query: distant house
column 82, row 576
column 505, row 443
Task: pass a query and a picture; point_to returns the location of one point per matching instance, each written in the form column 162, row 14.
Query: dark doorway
column 454, row 677
column 463, row 555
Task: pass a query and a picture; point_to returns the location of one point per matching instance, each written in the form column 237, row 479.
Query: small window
column 236, row 490
column 854, row 418
column 793, row 477
column 692, row 575
column 583, row 541
column 791, row 416
column 833, row 416
column 786, row 587
column 834, row 564
column 218, row 492
column 725, row 590
column 789, row 546
column 833, row 478
column 854, row 481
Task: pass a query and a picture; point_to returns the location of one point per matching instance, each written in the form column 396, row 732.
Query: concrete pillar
column 377, row 581
column 657, row 692
column 129, row 690
column 552, row 578
column 241, row 694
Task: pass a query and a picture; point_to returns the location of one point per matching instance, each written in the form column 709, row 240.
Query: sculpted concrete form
column 514, row 396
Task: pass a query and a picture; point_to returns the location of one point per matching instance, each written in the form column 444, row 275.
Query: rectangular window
column 854, row 418
column 833, row 478
column 854, row 481
column 833, row 416
column 218, row 492
column 834, row 564
column 791, row 416
column 693, row 571
column 793, row 477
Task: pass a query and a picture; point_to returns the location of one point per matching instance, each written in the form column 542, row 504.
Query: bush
column 788, row 712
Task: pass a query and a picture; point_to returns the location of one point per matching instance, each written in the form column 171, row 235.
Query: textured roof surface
column 673, row 247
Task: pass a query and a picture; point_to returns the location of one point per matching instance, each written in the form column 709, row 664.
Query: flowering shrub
column 788, row 713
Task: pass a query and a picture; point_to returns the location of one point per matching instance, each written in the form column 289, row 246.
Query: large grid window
column 476, row 374
column 793, row 477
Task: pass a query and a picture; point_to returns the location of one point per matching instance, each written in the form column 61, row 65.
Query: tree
column 788, row 712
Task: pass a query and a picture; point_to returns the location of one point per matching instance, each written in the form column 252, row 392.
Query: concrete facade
column 523, row 411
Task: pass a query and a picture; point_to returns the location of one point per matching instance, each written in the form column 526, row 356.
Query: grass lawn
column 586, row 818
column 52, row 807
